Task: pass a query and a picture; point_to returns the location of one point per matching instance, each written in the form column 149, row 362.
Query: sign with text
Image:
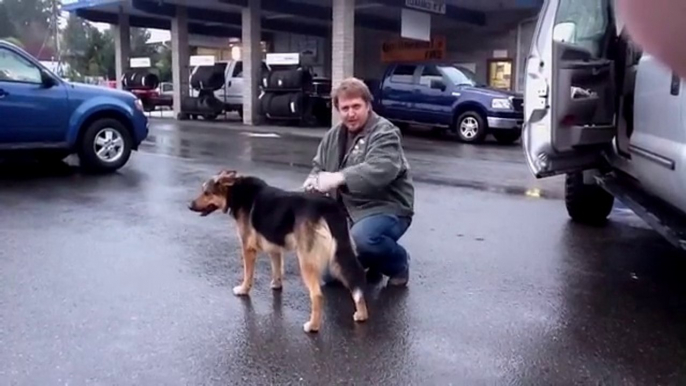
column 415, row 25
column 406, row 50
column 202, row 60
column 140, row 62
column 289, row 59
column 433, row 6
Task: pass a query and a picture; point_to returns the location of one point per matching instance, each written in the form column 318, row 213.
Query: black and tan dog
column 275, row 221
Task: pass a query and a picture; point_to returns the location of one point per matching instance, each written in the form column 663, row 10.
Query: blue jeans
column 376, row 240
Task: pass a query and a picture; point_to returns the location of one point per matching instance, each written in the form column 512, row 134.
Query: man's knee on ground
column 365, row 243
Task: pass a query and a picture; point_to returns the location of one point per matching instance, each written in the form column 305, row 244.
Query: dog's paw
column 360, row 316
column 240, row 290
column 310, row 327
column 276, row 284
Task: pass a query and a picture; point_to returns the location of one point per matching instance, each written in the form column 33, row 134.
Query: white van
column 608, row 116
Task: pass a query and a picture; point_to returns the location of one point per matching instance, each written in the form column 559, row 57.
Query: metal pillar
column 180, row 57
column 252, row 61
column 122, row 46
column 343, row 45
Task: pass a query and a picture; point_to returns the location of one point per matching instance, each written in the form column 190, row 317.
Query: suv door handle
column 3, row 93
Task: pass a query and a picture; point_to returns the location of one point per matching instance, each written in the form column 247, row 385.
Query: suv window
column 14, row 68
column 403, row 74
column 429, row 73
column 591, row 18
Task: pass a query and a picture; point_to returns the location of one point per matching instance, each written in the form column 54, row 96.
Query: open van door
column 571, row 93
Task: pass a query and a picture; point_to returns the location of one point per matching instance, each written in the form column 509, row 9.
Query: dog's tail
column 344, row 262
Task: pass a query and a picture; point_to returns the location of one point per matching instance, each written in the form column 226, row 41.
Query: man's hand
column 310, row 183
column 329, row 181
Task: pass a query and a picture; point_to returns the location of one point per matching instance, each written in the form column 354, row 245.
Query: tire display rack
column 291, row 94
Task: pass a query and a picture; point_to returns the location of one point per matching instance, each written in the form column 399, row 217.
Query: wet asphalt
column 110, row 280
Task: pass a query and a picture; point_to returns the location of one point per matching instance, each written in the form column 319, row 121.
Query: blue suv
column 44, row 115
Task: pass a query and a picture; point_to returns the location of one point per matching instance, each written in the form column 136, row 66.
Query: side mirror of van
column 565, row 32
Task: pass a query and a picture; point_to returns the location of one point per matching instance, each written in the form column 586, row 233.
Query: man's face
column 354, row 113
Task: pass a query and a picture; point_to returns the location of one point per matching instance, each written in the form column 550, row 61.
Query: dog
column 276, row 221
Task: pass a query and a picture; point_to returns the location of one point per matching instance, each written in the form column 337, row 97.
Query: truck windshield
column 459, row 76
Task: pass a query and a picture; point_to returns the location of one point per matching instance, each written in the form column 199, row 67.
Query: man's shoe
column 401, row 279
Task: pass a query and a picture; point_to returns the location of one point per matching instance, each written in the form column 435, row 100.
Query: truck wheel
column 106, row 146
column 586, row 204
column 470, row 127
column 507, row 137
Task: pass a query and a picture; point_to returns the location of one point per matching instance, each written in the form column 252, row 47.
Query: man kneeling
column 361, row 163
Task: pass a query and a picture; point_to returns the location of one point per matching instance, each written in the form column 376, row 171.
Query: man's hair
column 351, row 88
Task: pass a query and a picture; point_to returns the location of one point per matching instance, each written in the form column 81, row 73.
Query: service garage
column 336, row 38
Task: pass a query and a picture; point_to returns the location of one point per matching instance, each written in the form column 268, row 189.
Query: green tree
column 163, row 62
column 76, row 38
column 7, row 29
column 30, row 19
column 100, row 54
column 139, row 43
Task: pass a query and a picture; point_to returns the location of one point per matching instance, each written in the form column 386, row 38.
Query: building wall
column 463, row 47
column 313, row 46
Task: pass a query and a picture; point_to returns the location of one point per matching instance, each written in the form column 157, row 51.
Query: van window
column 591, row 18
column 403, row 74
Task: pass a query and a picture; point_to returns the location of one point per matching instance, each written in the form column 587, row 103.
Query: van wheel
column 106, row 146
column 586, row 204
column 470, row 127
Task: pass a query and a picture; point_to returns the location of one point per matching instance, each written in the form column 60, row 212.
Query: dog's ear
column 226, row 177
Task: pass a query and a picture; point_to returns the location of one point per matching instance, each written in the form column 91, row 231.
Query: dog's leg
column 310, row 275
column 361, row 314
column 249, row 257
column 277, row 270
column 352, row 277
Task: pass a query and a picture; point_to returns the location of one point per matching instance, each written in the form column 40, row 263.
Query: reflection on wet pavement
column 111, row 280
column 486, row 167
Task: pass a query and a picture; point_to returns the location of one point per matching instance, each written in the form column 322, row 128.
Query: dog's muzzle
column 203, row 211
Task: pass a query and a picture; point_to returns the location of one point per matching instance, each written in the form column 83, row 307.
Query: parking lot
column 111, row 280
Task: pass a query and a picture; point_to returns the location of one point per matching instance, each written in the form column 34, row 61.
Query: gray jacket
column 377, row 174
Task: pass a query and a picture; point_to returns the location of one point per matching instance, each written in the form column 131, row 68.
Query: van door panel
column 584, row 108
column 570, row 96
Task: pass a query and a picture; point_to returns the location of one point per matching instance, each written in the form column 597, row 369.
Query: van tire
column 586, row 204
column 474, row 120
column 88, row 156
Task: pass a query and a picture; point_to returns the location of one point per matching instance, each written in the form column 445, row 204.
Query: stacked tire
column 287, row 79
column 206, row 80
column 140, row 80
column 286, row 94
column 282, row 105
column 208, row 77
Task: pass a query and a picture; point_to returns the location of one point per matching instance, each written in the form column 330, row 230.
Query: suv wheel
column 586, row 204
column 507, row 137
column 470, row 127
column 106, row 146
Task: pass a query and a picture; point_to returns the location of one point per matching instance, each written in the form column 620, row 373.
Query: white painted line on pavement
column 261, row 135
